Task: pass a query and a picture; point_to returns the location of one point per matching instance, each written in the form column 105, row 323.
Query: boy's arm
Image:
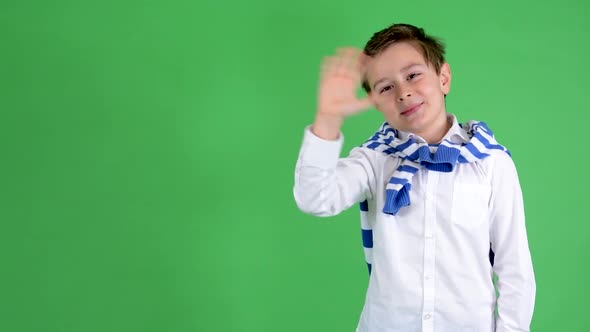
column 326, row 185
column 512, row 261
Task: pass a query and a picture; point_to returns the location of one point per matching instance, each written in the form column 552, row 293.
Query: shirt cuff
column 319, row 152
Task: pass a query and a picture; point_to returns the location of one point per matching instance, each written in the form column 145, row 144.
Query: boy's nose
column 405, row 96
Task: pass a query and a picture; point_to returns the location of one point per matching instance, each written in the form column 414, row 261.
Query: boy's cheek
column 384, row 106
column 379, row 102
column 380, row 108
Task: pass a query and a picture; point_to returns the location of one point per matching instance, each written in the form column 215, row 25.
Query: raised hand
column 337, row 96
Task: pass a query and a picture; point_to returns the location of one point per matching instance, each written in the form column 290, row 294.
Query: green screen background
column 148, row 152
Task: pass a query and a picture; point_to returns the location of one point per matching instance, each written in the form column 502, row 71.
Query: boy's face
column 408, row 91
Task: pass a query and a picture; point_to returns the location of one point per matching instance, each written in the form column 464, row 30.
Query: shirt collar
column 456, row 134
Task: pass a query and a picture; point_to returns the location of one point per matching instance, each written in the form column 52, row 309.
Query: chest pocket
column 470, row 203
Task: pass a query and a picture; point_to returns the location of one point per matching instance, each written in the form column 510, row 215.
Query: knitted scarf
column 441, row 157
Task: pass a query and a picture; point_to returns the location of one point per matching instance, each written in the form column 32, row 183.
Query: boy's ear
column 445, row 78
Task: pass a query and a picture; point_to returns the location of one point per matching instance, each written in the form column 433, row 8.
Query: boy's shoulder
column 497, row 163
column 497, row 156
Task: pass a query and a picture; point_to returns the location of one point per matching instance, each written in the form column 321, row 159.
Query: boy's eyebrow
column 402, row 70
column 410, row 66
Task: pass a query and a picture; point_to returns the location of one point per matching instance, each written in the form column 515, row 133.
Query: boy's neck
column 439, row 130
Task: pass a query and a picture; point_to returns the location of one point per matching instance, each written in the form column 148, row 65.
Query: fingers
column 359, row 106
column 362, row 62
column 327, row 65
column 347, row 59
column 347, row 62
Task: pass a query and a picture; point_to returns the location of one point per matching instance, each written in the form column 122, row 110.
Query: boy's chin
column 406, row 126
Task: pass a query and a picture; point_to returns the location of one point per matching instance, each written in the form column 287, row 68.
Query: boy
column 442, row 208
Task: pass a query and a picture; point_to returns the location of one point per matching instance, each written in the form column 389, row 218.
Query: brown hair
column 432, row 48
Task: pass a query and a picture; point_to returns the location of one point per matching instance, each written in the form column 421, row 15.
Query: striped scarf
column 441, row 157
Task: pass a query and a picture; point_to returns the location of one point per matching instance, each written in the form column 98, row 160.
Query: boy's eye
column 413, row 75
column 386, row 88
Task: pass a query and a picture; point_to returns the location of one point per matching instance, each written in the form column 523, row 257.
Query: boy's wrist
column 327, row 126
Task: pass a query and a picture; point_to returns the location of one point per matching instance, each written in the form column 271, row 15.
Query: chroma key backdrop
column 148, row 153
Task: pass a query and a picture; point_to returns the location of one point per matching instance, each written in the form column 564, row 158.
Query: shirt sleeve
column 512, row 261
column 326, row 184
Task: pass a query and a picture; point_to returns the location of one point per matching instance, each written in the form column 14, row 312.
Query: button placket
column 429, row 251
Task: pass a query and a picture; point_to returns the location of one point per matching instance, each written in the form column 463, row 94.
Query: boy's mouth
column 412, row 109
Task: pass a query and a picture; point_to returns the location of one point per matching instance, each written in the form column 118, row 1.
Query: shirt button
column 427, row 316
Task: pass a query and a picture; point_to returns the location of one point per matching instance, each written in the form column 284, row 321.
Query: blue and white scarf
column 442, row 157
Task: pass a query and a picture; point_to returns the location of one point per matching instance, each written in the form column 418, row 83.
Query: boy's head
column 408, row 79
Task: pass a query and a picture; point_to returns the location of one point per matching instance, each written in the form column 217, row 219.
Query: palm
column 341, row 76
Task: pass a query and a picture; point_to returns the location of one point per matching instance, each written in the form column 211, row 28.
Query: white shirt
column 430, row 265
